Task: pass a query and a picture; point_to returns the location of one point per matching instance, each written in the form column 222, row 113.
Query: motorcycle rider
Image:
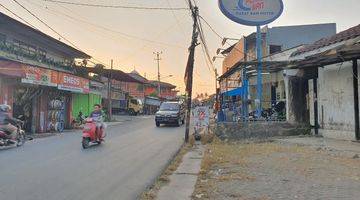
column 6, row 122
column 98, row 116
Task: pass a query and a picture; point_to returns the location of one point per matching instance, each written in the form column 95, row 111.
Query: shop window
column 275, row 49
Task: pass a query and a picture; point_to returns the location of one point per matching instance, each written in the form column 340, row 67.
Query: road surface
column 56, row 168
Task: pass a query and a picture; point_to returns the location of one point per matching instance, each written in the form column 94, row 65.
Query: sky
column 130, row 37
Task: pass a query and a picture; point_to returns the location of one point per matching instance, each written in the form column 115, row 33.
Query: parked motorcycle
column 6, row 141
column 91, row 134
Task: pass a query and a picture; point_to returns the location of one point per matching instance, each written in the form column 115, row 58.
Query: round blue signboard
column 252, row 12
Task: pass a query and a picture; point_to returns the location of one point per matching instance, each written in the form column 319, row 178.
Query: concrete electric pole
column 109, row 92
column 190, row 67
column 158, row 67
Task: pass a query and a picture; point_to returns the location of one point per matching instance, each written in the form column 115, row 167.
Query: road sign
column 201, row 116
column 252, row 12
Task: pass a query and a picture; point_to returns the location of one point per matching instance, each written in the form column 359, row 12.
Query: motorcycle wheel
column 20, row 139
column 85, row 143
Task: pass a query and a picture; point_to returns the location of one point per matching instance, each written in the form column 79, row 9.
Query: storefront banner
column 40, row 76
column 201, row 117
column 73, row 83
column 252, row 12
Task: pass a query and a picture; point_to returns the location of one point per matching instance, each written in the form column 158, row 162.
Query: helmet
column 5, row 108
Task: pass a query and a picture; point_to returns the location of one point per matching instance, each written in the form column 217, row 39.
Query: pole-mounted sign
column 252, row 12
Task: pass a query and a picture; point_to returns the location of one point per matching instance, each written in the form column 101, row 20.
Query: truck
column 135, row 106
column 130, row 105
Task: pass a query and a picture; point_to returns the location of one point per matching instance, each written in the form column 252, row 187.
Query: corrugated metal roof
column 324, row 42
column 33, row 33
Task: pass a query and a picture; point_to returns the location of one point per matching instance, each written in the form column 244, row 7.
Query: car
column 170, row 113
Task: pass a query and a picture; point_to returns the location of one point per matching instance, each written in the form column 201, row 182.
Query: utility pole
column 158, row 67
column 216, row 91
column 190, row 67
column 109, row 92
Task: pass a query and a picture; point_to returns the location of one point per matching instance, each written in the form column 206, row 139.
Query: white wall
column 336, row 101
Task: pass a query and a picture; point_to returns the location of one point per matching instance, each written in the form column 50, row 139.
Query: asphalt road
column 57, row 168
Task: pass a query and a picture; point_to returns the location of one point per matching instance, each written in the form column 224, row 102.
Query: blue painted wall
column 291, row 36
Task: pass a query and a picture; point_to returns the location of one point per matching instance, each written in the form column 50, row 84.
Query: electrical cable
column 115, row 6
column 221, row 37
column 18, row 16
column 77, row 18
column 44, row 23
column 176, row 19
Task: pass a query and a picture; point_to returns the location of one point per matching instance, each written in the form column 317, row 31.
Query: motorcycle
column 92, row 134
column 6, row 141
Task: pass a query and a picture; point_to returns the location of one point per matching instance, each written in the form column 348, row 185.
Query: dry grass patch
column 224, row 162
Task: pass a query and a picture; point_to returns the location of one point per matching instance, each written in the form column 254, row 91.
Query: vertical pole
column 259, row 71
column 109, row 92
column 356, row 98
column 316, row 110
column 158, row 69
column 216, row 92
column 245, row 112
column 158, row 61
column 190, row 68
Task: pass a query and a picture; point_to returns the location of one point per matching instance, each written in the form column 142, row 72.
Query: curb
column 162, row 170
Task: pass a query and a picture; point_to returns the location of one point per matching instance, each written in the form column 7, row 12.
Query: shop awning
column 234, row 92
column 10, row 68
column 240, row 91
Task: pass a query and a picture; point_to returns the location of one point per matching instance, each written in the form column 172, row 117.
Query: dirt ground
column 274, row 170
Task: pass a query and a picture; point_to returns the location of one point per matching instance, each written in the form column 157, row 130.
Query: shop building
column 240, row 64
column 37, row 77
column 329, row 69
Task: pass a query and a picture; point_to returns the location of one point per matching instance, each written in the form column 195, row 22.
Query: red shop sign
column 73, row 83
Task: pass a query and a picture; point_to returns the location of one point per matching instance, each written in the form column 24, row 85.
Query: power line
column 115, row 6
column 77, row 18
column 56, row 32
column 18, row 16
column 176, row 19
column 44, row 23
column 83, row 20
column 221, row 37
column 204, row 46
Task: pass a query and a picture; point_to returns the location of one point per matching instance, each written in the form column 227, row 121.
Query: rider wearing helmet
column 6, row 121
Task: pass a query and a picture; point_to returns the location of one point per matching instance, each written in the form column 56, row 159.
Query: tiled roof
column 138, row 77
column 324, row 42
column 163, row 84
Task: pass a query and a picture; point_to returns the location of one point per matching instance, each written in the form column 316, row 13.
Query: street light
column 226, row 39
column 215, row 57
column 219, row 50
column 169, row 76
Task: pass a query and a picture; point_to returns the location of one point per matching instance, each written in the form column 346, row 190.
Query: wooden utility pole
column 109, row 92
column 190, row 67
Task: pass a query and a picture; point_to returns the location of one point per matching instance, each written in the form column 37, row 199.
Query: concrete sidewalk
column 345, row 148
column 183, row 180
